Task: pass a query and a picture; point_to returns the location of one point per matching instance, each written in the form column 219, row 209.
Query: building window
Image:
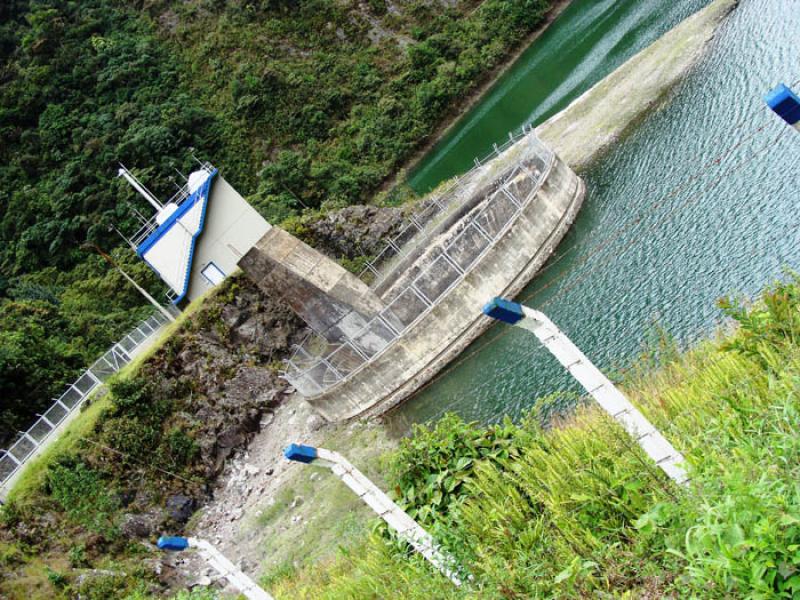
column 213, row 274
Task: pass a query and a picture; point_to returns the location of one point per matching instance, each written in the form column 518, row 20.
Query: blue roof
column 201, row 194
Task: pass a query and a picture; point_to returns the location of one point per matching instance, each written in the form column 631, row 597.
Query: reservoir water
column 588, row 41
column 697, row 203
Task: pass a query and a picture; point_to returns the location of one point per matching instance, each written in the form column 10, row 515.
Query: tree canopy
column 302, row 104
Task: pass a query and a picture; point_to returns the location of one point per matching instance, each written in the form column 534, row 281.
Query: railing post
column 30, row 438
column 93, row 377
column 510, row 196
column 480, row 228
column 388, row 325
column 418, row 292
column 481, row 231
column 46, row 420
column 14, row 459
column 395, row 247
column 451, row 262
column 355, row 349
column 335, row 371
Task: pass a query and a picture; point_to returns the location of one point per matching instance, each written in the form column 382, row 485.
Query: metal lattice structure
column 421, row 265
column 119, row 355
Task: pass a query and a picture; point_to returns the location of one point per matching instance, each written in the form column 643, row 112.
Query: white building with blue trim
column 195, row 240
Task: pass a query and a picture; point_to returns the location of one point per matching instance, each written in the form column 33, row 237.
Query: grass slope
column 64, row 515
column 576, row 510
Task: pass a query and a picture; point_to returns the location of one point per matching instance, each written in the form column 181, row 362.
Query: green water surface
column 686, row 228
column 588, row 41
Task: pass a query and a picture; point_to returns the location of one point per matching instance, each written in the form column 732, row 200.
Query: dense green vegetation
column 82, row 85
column 301, row 104
column 125, row 454
column 337, row 97
column 577, row 511
column 571, row 510
column 54, row 323
column 91, row 483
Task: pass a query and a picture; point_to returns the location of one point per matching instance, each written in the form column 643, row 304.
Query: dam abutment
column 483, row 235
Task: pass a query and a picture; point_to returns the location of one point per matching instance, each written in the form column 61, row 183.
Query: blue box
column 785, row 103
column 504, row 310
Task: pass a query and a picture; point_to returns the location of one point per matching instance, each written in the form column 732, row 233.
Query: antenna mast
column 139, row 187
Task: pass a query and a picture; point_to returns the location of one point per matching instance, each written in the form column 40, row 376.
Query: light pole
column 786, row 104
column 593, row 381
column 217, row 560
column 139, row 288
column 406, row 527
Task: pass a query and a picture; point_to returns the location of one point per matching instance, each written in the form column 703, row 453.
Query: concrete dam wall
column 380, row 336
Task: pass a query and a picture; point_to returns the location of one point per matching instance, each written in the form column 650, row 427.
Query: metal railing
column 317, row 363
column 417, row 227
column 120, row 354
column 150, row 225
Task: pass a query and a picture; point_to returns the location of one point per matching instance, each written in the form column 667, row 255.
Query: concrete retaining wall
column 328, row 298
column 457, row 320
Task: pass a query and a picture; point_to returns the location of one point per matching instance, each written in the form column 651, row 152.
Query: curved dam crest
column 728, row 231
column 537, row 220
column 380, row 337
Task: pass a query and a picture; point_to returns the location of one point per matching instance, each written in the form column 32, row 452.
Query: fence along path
column 40, row 433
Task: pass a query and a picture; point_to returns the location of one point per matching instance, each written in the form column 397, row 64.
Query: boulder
column 180, row 507
column 315, row 422
column 355, row 230
column 142, row 525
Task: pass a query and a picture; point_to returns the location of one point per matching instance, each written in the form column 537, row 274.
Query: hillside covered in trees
column 303, row 105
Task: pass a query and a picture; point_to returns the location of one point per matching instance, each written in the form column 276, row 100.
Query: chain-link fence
column 409, row 291
column 27, row 442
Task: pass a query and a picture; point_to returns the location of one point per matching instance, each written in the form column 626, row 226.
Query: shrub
column 84, row 495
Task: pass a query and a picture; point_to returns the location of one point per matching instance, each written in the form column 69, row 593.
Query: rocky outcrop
column 354, row 231
column 228, row 360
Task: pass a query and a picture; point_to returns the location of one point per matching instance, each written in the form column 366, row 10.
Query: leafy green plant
column 431, row 467
column 10, row 554
column 178, row 449
column 102, row 586
column 59, row 580
column 77, row 556
column 84, row 495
